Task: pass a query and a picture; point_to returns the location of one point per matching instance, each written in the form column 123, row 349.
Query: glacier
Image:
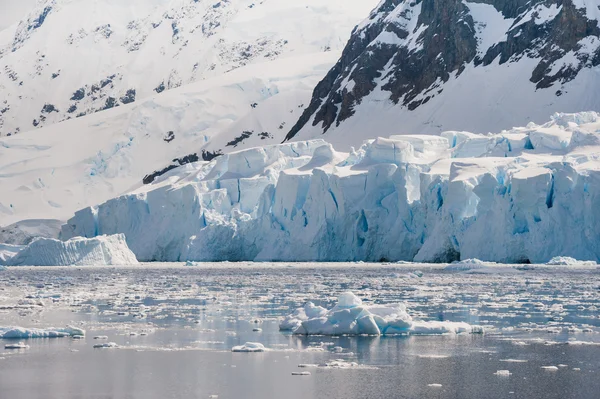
column 523, row 195
column 351, row 317
column 101, row 250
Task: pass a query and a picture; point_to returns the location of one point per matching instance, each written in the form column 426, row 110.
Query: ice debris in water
column 26, row 333
column 467, row 264
column 350, row 317
column 249, row 347
column 568, row 261
column 503, row 373
column 107, row 345
column 550, row 368
column 101, row 250
column 19, row 345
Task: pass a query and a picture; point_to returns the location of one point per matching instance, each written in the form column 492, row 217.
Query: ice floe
column 567, row 261
column 249, row 347
column 26, row 333
column 107, row 345
column 16, row 346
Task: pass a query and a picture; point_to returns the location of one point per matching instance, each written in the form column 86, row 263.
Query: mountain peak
column 408, row 53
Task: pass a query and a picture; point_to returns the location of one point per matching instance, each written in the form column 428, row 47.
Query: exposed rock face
column 407, row 50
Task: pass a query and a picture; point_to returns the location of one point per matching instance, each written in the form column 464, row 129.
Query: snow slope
column 524, row 195
column 52, row 171
column 69, row 58
column 98, row 251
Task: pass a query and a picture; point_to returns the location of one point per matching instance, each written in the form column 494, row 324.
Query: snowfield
column 206, row 78
column 524, row 195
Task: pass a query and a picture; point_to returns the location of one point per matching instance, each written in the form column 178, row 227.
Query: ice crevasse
column 524, row 195
column 351, row 317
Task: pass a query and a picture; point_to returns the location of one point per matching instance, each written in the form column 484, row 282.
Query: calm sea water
column 192, row 317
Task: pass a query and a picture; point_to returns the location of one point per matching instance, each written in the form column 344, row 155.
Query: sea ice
column 19, row 345
column 26, row 333
column 568, row 261
column 107, row 345
column 249, row 347
column 351, row 317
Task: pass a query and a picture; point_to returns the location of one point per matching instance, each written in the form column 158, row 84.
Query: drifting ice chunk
column 26, row 333
column 567, row 261
column 350, row 317
column 108, row 345
column 249, row 347
column 20, row 345
column 102, row 250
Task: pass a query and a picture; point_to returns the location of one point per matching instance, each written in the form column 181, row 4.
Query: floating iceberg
column 350, row 317
column 107, row 345
column 249, row 347
column 520, row 196
column 17, row 346
column 567, row 261
column 101, row 250
column 27, row 333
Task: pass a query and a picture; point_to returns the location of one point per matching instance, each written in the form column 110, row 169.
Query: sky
column 12, row 11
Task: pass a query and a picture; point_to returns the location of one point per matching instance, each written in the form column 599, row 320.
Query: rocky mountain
column 425, row 66
column 70, row 58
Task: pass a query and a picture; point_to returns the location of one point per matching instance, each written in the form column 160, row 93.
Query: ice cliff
column 523, row 195
column 102, row 250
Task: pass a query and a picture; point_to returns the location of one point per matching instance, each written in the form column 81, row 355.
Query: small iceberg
column 107, row 345
column 351, row 317
column 28, row 333
column 249, row 347
column 16, row 346
column 568, row 261
column 465, row 265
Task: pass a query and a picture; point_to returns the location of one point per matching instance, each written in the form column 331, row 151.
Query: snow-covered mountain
column 55, row 169
column 70, row 58
column 425, row 66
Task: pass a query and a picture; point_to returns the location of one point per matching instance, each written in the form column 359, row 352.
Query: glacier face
column 101, row 250
column 523, row 195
